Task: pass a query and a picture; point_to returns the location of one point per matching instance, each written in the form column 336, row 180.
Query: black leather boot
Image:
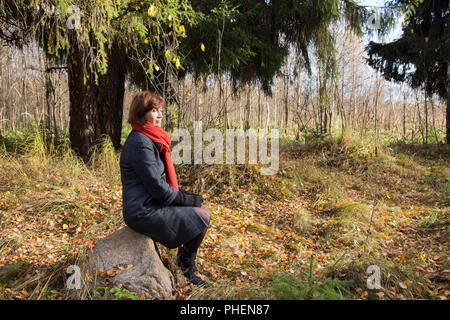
column 186, row 262
column 207, row 274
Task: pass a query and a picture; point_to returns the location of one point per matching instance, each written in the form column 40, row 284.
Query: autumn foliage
column 309, row 232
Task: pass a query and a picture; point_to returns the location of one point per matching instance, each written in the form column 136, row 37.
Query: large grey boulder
column 129, row 259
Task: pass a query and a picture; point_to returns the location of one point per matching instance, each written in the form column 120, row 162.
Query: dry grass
column 335, row 208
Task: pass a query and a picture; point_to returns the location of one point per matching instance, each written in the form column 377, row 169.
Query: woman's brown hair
column 142, row 103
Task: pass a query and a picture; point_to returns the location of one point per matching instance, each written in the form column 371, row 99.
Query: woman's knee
column 204, row 213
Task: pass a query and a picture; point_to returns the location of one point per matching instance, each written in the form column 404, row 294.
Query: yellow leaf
column 202, row 47
column 151, row 11
column 182, row 30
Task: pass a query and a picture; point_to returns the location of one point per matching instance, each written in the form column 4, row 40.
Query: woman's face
column 154, row 116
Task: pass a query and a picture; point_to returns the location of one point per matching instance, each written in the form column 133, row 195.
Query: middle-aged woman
column 153, row 203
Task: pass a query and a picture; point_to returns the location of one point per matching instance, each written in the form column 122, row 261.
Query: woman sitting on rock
column 153, row 203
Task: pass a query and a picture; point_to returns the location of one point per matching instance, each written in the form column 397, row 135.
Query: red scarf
column 157, row 134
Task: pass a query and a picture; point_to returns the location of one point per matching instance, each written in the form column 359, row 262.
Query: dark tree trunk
column 448, row 118
column 448, row 103
column 50, row 121
column 83, row 104
column 110, row 96
column 247, row 109
column 95, row 110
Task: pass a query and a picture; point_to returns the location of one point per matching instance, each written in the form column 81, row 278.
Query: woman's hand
column 187, row 199
column 188, row 192
column 198, row 199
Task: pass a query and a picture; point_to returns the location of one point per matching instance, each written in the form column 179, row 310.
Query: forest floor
column 336, row 207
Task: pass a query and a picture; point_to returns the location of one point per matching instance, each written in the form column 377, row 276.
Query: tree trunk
column 83, row 105
column 426, row 117
column 404, row 115
column 286, row 99
column 448, row 116
column 448, row 103
column 2, row 95
column 111, row 91
column 259, row 107
column 95, row 110
column 376, row 113
column 247, row 108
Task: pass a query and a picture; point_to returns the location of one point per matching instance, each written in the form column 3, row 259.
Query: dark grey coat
column 147, row 196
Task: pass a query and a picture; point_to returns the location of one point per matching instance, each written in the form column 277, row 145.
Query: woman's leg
column 187, row 253
column 194, row 244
